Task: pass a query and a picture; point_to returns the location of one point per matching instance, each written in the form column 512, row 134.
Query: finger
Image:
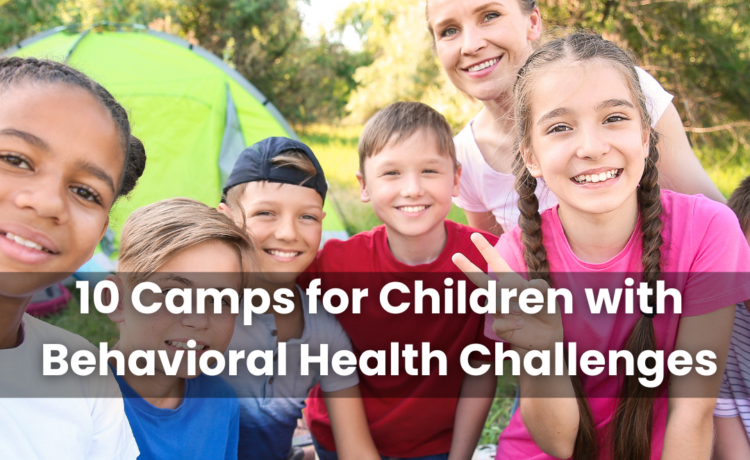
column 505, row 326
column 506, row 277
column 474, row 273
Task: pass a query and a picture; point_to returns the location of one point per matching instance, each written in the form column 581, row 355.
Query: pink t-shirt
column 703, row 247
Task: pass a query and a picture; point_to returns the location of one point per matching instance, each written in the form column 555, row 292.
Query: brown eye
column 86, row 194
column 15, row 160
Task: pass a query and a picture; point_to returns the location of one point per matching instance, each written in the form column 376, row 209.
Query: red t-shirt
column 409, row 416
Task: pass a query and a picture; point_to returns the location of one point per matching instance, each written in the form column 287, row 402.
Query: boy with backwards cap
column 277, row 189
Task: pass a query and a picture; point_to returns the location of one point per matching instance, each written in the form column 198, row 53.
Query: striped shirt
column 734, row 396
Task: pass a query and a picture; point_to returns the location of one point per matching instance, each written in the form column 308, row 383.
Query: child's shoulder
column 37, row 331
column 338, row 251
column 696, row 213
column 463, row 233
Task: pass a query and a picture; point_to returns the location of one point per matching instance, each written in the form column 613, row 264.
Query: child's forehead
column 579, row 83
column 266, row 192
column 421, row 145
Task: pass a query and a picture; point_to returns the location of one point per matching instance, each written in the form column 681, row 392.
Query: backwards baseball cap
column 254, row 164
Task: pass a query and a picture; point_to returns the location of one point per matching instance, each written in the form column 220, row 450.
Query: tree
column 306, row 79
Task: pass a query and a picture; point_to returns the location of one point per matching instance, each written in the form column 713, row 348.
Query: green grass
column 95, row 327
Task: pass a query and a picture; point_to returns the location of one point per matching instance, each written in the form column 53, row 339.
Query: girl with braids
column 481, row 44
column 582, row 126
column 66, row 155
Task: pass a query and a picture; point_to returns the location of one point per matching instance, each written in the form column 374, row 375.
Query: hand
column 530, row 332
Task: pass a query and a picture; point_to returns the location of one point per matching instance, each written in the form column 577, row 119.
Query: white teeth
column 24, row 242
column 413, row 209
column 594, row 178
column 184, row 345
column 282, row 253
column 483, row 65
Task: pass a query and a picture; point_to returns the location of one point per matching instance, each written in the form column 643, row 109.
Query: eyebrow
column 97, row 172
column 442, row 23
column 177, row 278
column 485, row 6
column 554, row 114
column 26, row 137
column 610, row 103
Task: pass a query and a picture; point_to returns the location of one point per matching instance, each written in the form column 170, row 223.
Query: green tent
column 193, row 112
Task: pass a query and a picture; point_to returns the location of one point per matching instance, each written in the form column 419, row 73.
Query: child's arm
column 474, row 402
column 349, row 425
column 484, row 221
column 690, row 418
column 731, row 442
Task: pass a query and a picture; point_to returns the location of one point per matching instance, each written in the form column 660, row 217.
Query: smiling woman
column 66, row 155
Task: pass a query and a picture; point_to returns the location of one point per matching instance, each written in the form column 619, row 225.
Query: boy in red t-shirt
column 408, row 171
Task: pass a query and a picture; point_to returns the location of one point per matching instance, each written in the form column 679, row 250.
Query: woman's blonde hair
column 155, row 233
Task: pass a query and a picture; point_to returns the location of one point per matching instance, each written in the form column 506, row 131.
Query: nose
column 593, row 144
column 286, row 230
column 473, row 41
column 412, row 187
column 46, row 197
column 196, row 320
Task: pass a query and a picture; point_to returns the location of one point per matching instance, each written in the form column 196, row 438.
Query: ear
column 531, row 163
column 117, row 316
column 225, row 209
column 364, row 195
column 457, row 181
column 535, row 25
column 646, row 143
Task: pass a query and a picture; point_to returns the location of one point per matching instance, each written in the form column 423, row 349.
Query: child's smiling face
column 286, row 223
column 61, row 160
column 207, row 265
column 587, row 139
column 410, row 184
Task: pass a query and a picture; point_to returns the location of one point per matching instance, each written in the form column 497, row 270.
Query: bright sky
column 323, row 13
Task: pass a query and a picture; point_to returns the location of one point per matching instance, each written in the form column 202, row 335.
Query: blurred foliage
column 698, row 49
column 404, row 66
column 307, row 79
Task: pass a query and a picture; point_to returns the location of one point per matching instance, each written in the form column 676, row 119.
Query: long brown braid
column 633, row 420
column 631, row 438
column 537, row 266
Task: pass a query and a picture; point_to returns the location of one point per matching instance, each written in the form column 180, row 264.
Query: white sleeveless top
column 483, row 189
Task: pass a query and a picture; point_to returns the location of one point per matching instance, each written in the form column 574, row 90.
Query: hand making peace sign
column 530, row 332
